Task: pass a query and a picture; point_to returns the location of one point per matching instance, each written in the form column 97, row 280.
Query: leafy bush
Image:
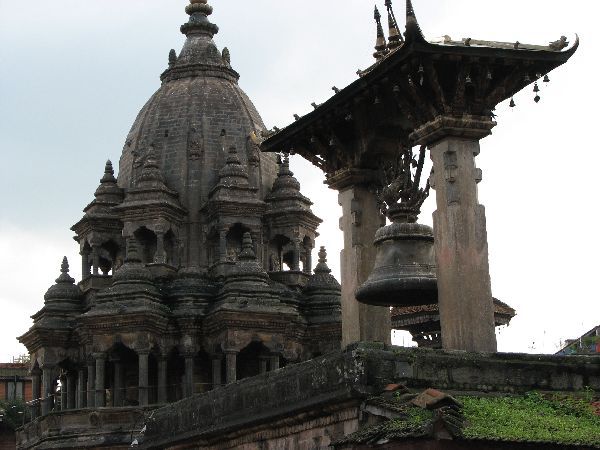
column 12, row 412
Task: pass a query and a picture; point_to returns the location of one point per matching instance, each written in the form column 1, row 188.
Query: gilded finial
column 413, row 30
column 395, row 37
column 380, row 43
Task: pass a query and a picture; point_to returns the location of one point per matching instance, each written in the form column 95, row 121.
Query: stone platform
column 308, row 405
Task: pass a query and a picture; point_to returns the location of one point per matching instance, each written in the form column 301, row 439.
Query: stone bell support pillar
column 189, row 375
column 118, row 390
column 216, row 371
column 464, row 287
column 47, row 389
column 71, row 390
column 361, row 218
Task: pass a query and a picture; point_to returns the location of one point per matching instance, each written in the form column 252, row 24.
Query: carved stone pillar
column 263, row 362
column 296, row 260
column 223, row 244
column 216, row 371
column 81, row 388
column 274, row 362
column 63, row 392
column 47, row 389
column 36, row 381
column 143, row 378
column 95, row 259
column 231, row 366
column 85, row 263
column 308, row 264
column 91, row 384
column 162, row 379
column 118, row 390
column 188, row 388
column 71, row 391
column 100, row 389
column 464, row 287
column 360, row 220
column 160, row 256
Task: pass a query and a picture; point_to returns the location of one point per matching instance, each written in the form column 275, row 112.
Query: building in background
column 15, row 382
column 588, row 344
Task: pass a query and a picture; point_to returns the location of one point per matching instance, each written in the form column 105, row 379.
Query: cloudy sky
column 74, row 74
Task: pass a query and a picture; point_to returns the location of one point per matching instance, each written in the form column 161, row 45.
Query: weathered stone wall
column 306, row 406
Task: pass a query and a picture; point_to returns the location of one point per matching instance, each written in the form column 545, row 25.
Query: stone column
column 63, row 392
column 464, row 287
column 47, row 389
column 36, row 375
column 91, row 384
column 274, row 362
column 216, row 372
column 159, row 256
column 296, row 261
column 71, row 390
column 81, row 387
column 188, row 389
column 95, row 259
column 118, row 383
column 100, row 392
column 223, row 244
column 85, row 263
column 143, row 378
column 361, row 218
column 162, row 379
column 230, row 366
column 308, row 265
column 263, row 364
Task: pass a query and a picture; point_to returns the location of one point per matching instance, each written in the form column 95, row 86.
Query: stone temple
column 200, row 323
column 196, row 259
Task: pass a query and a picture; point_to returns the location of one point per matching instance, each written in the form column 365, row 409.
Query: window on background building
column 14, row 390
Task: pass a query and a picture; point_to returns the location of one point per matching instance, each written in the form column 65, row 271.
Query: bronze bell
column 405, row 271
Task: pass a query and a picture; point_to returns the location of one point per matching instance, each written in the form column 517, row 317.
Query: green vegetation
column 534, row 417
column 11, row 413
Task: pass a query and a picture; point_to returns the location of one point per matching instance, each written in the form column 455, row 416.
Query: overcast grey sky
column 74, row 74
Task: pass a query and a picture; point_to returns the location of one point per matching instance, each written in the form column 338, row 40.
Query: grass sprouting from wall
column 534, row 417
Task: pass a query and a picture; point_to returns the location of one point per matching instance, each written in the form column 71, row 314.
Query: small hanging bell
column 489, row 75
column 421, row 73
column 546, row 79
column 512, row 103
column 468, row 81
column 536, row 88
column 537, row 98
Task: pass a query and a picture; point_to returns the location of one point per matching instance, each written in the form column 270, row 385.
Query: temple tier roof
column 410, row 85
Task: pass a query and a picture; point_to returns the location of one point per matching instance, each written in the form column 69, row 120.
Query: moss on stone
column 532, row 418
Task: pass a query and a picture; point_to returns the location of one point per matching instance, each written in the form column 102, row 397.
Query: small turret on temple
column 196, row 259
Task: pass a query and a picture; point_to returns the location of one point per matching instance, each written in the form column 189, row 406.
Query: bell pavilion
column 200, row 321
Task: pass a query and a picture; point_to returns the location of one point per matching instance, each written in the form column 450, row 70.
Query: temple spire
column 109, row 173
column 199, row 10
column 322, row 267
column 64, row 273
column 395, row 37
column 380, row 44
column 413, row 30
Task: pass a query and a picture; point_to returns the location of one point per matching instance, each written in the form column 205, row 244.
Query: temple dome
column 194, row 118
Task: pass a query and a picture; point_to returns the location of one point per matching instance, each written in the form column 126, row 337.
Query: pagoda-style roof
column 411, row 85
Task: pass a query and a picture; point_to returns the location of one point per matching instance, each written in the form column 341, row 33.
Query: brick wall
column 7, row 440
column 2, row 390
column 28, row 391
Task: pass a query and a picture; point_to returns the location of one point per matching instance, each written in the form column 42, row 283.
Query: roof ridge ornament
column 64, row 273
column 413, row 31
column 381, row 48
column 395, row 37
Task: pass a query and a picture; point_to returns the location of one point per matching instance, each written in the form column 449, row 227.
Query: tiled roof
column 13, row 369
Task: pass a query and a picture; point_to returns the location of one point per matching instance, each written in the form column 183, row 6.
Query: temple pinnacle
column 380, row 44
column 395, row 37
column 247, row 253
column 109, row 173
column 413, row 30
column 64, row 272
column 199, row 10
column 322, row 266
